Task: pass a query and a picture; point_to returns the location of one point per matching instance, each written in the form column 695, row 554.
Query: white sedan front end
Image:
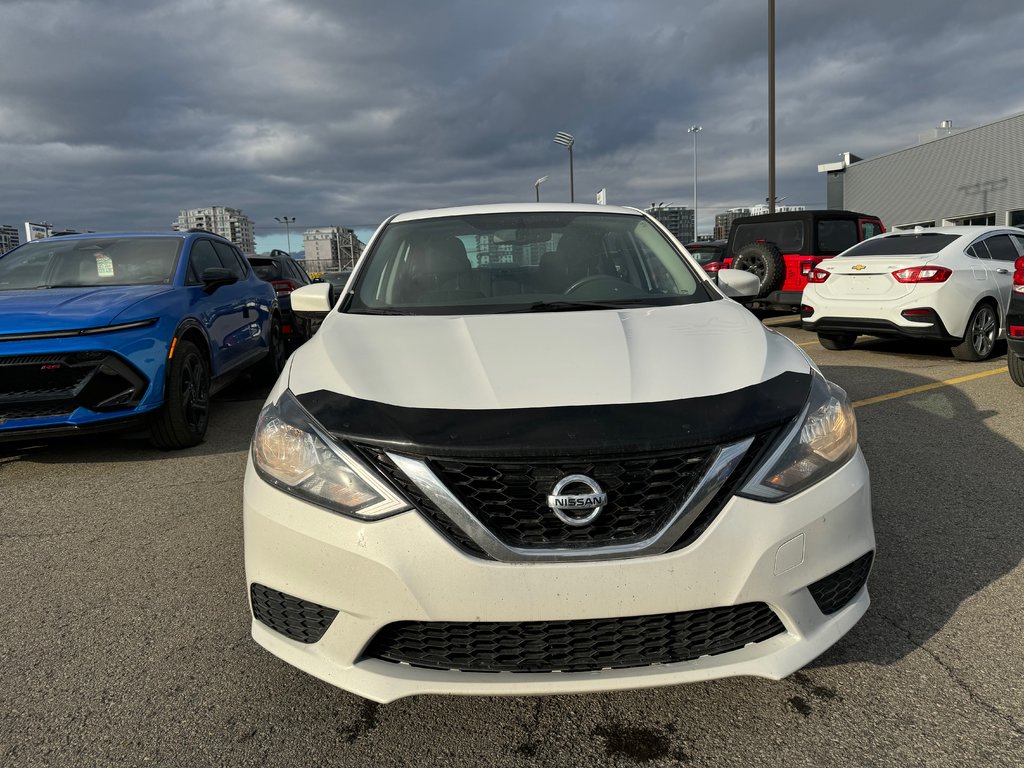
column 606, row 487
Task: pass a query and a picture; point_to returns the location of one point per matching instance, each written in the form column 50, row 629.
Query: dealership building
column 952, row 176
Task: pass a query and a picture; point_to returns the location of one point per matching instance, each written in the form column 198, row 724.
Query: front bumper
column 105, row 381
column 402, row 569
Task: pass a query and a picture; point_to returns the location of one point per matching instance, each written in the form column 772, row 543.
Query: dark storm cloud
column 119, row 113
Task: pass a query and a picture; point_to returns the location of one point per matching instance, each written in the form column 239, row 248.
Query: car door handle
column 1002, row 271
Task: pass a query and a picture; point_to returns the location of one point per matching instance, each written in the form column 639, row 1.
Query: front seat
column 436, row 265
column 580, row 253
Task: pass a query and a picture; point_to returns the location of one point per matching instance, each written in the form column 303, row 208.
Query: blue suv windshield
column 90, row 263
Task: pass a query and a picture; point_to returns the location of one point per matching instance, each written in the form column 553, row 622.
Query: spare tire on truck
column 764, row 260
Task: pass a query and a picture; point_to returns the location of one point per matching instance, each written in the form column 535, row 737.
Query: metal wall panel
column 977, row 171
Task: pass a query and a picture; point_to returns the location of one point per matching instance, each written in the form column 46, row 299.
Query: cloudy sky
column 115, row 114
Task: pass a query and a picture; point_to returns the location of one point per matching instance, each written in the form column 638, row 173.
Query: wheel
column 269, row 368
column 182, row 421
column 764, row 260
column 980, row 335
column 1016, row 365
column 837, row 341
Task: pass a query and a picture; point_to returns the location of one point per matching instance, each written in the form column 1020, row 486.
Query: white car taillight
column 923, row 274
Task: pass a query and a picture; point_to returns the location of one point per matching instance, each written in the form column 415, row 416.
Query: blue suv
column 107, row 331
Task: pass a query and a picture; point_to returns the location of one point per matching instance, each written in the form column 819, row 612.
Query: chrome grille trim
column 723, row 464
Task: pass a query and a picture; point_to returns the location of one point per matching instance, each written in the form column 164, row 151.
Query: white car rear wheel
column 979, row 336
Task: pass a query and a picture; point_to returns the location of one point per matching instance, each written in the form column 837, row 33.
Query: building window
column 1017, row 218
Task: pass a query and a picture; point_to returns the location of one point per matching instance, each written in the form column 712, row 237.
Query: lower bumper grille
column 34, row 386
column 582, row 645
column 294, row 618
column 836, row 590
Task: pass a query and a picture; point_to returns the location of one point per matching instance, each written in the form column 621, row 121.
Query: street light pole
column 695, row 129
column 771, row 106
column 536, row 186
column 567, row 140
column 287, row 221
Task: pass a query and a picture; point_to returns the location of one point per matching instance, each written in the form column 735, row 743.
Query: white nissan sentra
column 537, row 444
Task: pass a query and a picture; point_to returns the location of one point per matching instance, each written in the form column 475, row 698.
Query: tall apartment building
column 8, row 238
column 762, row 208
column 331, row 248
column 723, row 221
column 677, row 219
column 226, row 222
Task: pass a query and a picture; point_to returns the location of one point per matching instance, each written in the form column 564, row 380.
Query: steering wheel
column 590, row 279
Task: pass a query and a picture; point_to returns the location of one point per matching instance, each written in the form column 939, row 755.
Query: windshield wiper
column 378, row 311
column 569, row 306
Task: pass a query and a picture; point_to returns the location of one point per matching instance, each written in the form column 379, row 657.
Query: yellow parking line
column 926, row 387
column 806, row 343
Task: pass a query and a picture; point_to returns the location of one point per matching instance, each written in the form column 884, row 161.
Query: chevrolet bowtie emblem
column 859, row 267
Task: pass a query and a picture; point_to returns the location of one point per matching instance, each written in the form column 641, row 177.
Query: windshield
column 705, row 254
column 902, row 245
column 522, row 262
column 266, row 269
column 90, row 263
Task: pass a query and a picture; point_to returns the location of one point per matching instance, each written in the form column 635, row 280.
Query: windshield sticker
column 104, row 265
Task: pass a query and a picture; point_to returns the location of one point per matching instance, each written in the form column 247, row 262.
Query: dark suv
column 285, row 274
column 782, row 248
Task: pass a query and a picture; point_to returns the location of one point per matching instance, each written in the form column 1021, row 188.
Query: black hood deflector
column 563, row 430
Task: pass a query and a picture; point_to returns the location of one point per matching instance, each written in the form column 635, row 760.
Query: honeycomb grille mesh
column 836, row 590
column 510, row 498
column 298, row 619
column 583, row 645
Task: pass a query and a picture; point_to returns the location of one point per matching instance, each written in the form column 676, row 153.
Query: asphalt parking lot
column 126, row 630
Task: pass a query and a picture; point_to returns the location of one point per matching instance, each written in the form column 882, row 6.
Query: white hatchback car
column 535, row 449
column 950, row 284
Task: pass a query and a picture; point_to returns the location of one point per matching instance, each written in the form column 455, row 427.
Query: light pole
column 694, row 129
column 287, row 221
column 536, row 186
column 567, row 140
column 771, row 106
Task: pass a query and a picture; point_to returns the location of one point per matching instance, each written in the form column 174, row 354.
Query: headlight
column 293, row 453
column 821, row 442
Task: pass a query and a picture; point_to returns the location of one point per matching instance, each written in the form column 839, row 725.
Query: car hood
column 543, row 359
column 63, row 309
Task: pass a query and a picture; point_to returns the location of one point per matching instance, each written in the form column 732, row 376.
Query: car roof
column 179, row 235
column 470, row 210
column 960, row 231
column 805, row 215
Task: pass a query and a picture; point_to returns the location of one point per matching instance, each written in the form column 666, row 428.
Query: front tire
column 1016, row 366
column 269, row 368
column 182, row 421
column 980, row 335
column 837, row 341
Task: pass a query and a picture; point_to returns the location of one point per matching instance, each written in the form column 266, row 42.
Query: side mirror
column 313, row 301
column 738, row 284
column 214, row 277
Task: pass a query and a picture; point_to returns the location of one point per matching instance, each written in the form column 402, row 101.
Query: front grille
column 581, row 645
column 836, row 590
column 298, row 619
column 509, row 497
column 34, row 386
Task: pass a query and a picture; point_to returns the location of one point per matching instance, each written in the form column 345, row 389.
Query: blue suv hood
column 66, row 309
